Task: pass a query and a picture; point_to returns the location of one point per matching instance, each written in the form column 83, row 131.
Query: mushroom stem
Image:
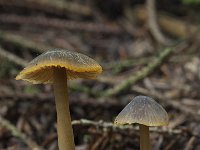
column 144, row 138
column 64, row 127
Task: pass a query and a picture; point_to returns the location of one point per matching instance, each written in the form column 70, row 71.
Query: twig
column 190, row 143
column 12, row 57
column 102, row 124
column 15, row 95
column 50, row 6
column 171, row 144
column 167, row 23
column 15, row 132
column 60, row 24
column 99, row 141
column 23, row 42
column 118, row 66
column 140, row 74
column 153, row 26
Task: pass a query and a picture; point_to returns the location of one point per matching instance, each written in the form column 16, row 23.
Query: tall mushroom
column 146, row 112
column 56, row 67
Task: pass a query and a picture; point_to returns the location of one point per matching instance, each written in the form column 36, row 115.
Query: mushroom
column 146, row 112
column 56, row 67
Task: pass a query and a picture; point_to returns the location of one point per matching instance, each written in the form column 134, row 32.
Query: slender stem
column 144, row 138
column 64, row 127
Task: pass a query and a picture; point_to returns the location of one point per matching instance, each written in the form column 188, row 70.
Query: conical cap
column 143, row 110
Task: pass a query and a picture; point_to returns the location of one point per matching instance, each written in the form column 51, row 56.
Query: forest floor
column 143, row 49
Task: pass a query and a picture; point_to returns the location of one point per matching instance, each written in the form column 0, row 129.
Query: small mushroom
column 56, row 67
column 146, row 112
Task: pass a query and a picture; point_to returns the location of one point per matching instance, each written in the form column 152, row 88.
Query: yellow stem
column 144, row 138
column 64, row 127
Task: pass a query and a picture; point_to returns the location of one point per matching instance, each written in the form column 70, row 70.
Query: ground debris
column 134, row 59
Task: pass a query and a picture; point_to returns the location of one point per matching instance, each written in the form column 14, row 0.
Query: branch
column 171, row 25
column 60, row 24
column 23, row 42
column 50, row 6
column 102, row 124
column 12, row 57
column 140, row 74
column 15, row 132
column 153, row 26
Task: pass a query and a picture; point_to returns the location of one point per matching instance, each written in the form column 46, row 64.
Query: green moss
column 187, row 2
column 31, row 90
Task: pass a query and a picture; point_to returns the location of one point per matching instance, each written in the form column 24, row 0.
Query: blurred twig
column 118, row 66
column 60, row 24
column 50, row 6
column 140, row 74
column 12, row 57
column 190, row 143
column 23, row 42
column 102, row 124
column 15, row 132
column 173, row 26
column 153, row 26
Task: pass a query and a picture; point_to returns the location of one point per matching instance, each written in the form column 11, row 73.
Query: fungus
column 146, row 112
column 56, row 67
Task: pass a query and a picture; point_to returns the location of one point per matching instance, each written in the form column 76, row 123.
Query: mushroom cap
column 143, row 110
column 40, row 69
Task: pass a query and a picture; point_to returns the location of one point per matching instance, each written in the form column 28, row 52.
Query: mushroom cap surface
column 143, row 110
column 77, row 65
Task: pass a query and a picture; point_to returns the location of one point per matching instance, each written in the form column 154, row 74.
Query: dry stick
column 152, row 22
column 22, row 42
column 190, row 143
column 50, row 6
column 60, row 24
column 11, row 57
column 66, row 5
column 140, row 74
column 170, row 144
column 15, row 132
column 99, row 142
column 102, row 124
column 167, row 23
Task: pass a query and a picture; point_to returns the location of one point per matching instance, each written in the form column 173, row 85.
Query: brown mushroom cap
column 40, row 69
column 143, row 110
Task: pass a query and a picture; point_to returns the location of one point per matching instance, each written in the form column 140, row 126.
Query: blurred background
column 145, row 48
